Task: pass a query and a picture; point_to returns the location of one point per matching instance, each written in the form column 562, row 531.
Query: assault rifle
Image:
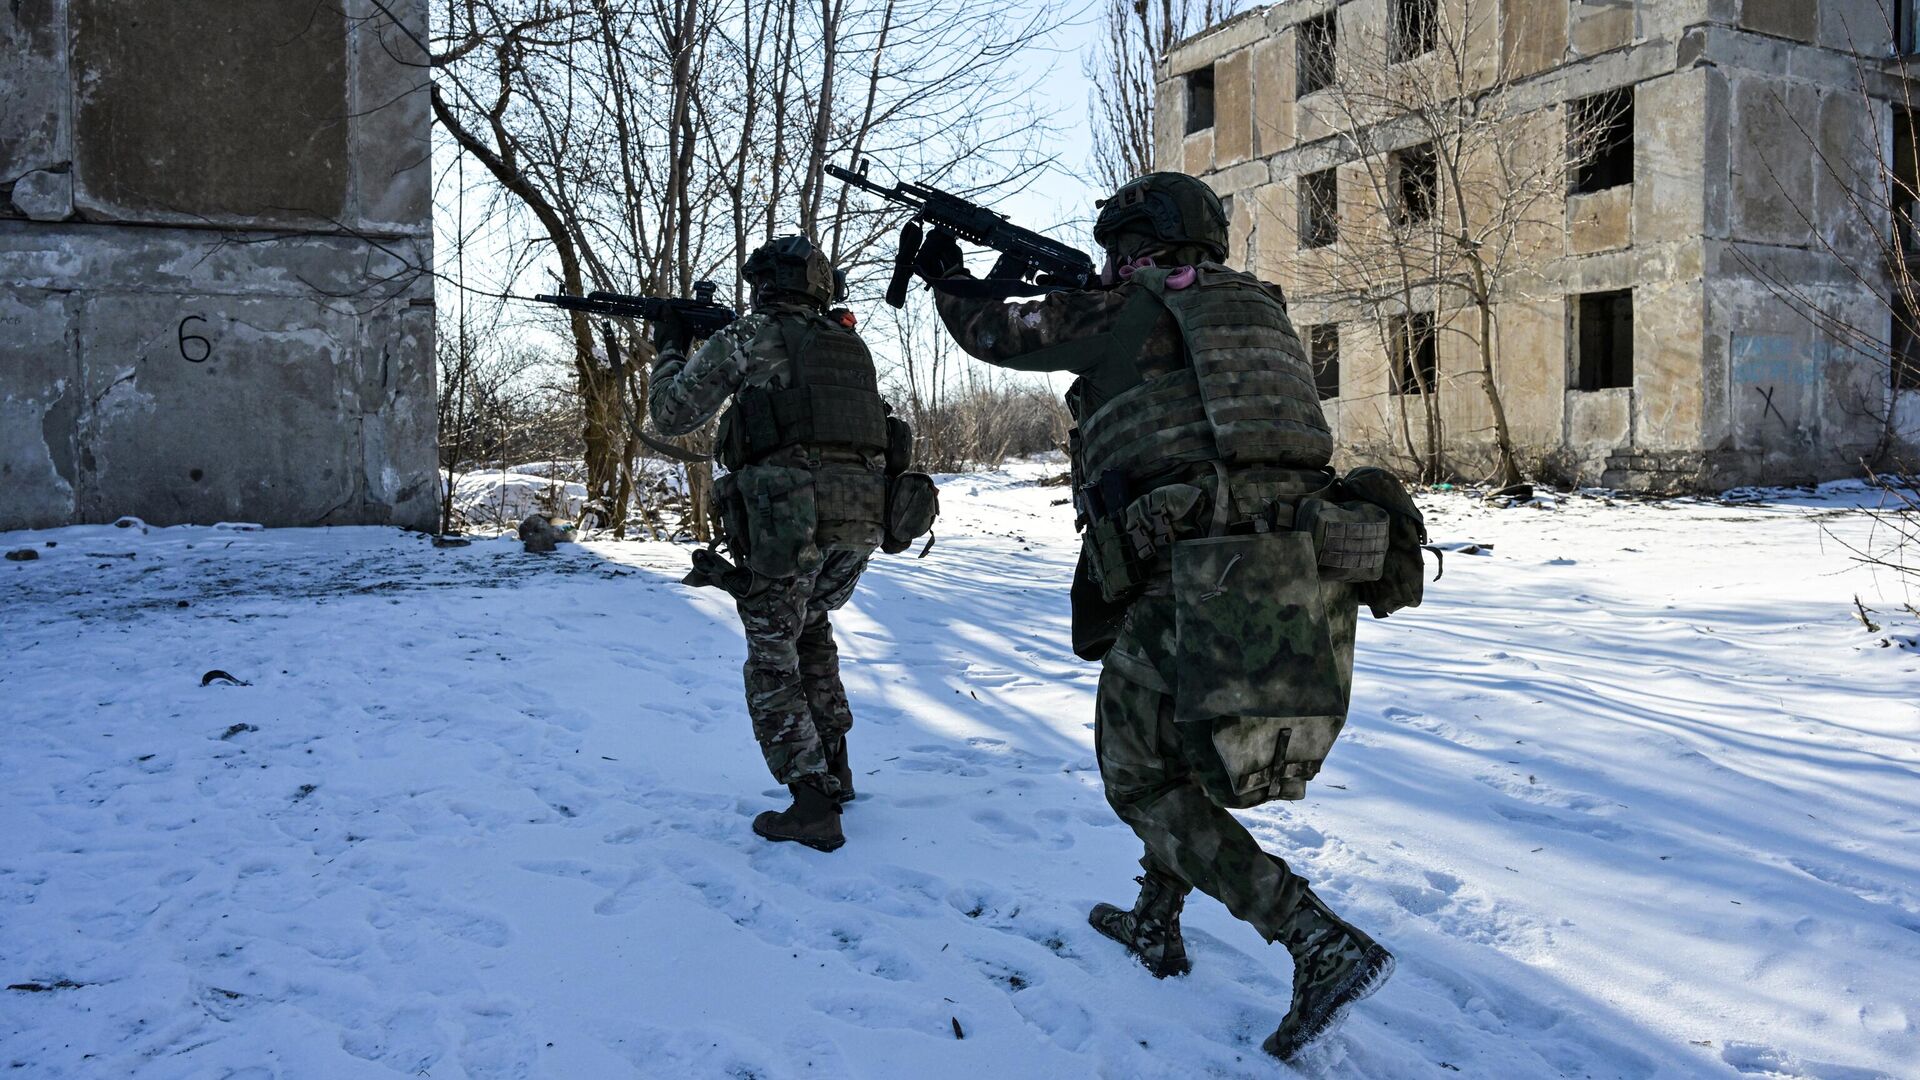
column 1025, row 256
column 700, row 315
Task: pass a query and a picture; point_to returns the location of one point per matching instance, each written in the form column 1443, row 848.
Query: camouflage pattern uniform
column 794, row 694
column 1191, row 842
column 1163, row 455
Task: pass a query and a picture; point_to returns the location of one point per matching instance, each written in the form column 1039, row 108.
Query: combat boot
column 1151, row 931
column 813, row 819
column 1334, row 967
column 837, row 765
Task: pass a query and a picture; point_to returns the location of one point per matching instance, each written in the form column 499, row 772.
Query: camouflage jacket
column 686, row 392
column 1020, row 334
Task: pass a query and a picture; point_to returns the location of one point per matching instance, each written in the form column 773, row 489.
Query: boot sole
column 1367, row 977
column 1162, row 971
column 815, row 844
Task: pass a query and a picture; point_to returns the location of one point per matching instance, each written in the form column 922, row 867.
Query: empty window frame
column 1904, row 360
column 1317, row 45
column 1905, row 182
column 1320, row 208
column 1200, row 99
column 1906, row 34
column 1416, row 362
column 1604, row 336
column 1415, row 23
column 1601, row 141
column 1323, row 353
column 1416, row 181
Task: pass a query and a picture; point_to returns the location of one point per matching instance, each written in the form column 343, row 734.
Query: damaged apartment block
column 214, row 243
column 1698, row 303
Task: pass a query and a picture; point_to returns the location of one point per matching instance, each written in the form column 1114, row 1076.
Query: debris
column 216, row 675
column 237, row 729
column 539, row 535
column 451, row 540
column 69, row 984
column 22, row 555
column 1858, row 608
column 130, row 522
column 957, row 1032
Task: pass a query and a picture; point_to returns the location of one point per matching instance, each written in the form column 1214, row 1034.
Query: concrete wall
column 1731, row 385
column 214, row 227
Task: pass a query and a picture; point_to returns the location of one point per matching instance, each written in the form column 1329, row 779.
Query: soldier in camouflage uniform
column 804, row 440
column 1196, row 417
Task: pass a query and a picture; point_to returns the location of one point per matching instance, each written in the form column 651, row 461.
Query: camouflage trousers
column 1189, row 838
column 793, row 667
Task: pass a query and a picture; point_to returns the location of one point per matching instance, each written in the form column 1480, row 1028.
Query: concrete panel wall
column 213, row 237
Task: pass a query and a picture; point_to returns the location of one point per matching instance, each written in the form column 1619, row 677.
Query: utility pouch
column 1349, row 539
column 1402, row 579
column 899, row 446
column 780, row 519
column 1259, row 698
column 1109, row 562
column 913, row 501
column 1122, row 549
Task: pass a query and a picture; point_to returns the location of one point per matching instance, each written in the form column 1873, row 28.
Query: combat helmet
column 794, row 265
column 1162, row 209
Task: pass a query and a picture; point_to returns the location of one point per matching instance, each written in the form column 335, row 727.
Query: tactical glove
column 670, row 334
column 939, row 257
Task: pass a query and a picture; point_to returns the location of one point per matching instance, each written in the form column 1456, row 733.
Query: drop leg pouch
column 1259, row 697
column 781, row 520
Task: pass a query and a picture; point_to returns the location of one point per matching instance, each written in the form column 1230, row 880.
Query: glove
column 670, row 334
column 939, row 257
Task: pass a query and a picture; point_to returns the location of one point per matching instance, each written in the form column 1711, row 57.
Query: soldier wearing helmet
column 804, row 440
column 1199, row 454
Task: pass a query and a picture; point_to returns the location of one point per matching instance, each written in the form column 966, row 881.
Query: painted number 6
column 192, row 343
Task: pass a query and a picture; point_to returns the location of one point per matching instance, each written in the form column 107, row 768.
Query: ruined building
column 1708, row 299
column 214, row 226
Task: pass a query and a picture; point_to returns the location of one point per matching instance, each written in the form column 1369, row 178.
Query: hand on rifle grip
column 940, row 257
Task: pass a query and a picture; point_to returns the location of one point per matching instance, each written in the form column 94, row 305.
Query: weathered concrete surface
column 176, row 96
column 168, row 346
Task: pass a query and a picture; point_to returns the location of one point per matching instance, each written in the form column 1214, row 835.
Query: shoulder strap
column 797, row 335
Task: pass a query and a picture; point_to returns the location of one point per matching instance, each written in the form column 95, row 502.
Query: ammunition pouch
column 1349, row 539
column 1260, row 695
column 1402, row 578
column 770, row 518
column 913, row 501
column 1123, row 547
column 899, row 446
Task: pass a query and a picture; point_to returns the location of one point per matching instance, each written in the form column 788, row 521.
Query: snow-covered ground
column 1634, row 795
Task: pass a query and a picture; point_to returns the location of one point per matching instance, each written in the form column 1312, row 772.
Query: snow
column 1632, row 795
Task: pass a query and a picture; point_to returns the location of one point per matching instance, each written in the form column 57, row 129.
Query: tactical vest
column 832, row 400
column 829, row 424
column 1245, row 397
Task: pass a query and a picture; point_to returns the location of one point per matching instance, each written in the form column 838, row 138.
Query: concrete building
column 1654, row 345
column 214, row 226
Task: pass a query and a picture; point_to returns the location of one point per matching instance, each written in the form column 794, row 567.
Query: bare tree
column 646, row 137
column 1463, row 175
column 1135, row 34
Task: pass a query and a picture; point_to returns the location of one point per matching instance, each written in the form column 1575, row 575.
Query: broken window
column 1416, row 363
column 1906, row 35
column 1414, row 25
column 1318, row 43
column 1323, row 352
column 1319, row 208
column 1904, row 185
column 1200, row 99
column 1605, row 336
column 1602, row 141
column 1905, row 357
column 1416, row 178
